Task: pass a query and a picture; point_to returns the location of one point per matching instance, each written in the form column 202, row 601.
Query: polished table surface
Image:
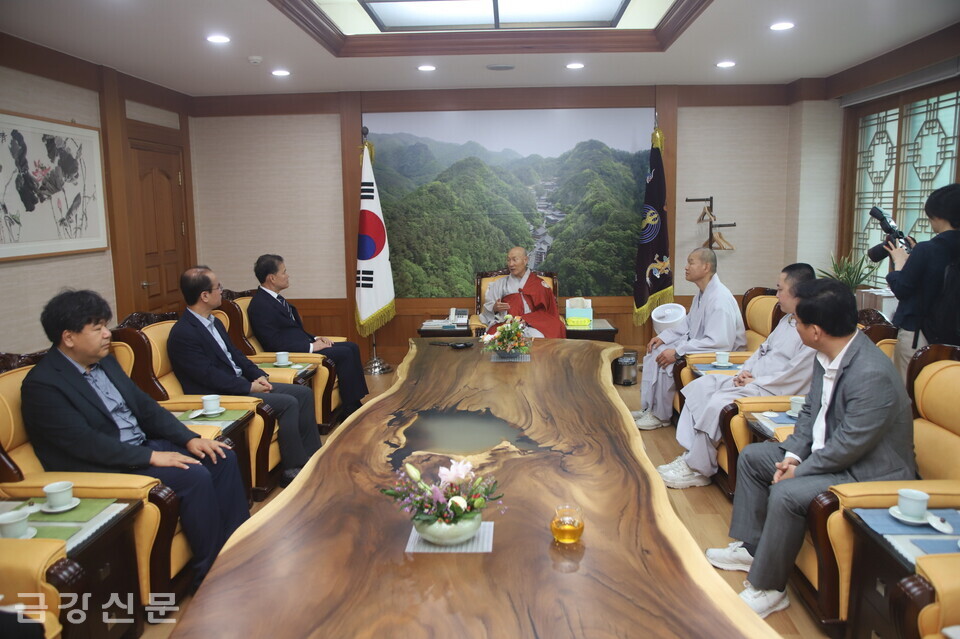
column 326, row 557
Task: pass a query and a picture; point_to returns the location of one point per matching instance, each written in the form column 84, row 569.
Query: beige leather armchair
column 925, row 604
column 823, row 566
column 326, row 390
column 153, row 373
column 483, row 280
column 32, row 567
column 159, row 545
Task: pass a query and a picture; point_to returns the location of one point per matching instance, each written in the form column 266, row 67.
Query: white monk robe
column 781, row 366
column 714, row 323
column 497, row 290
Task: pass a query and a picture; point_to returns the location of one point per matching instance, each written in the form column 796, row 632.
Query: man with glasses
column 856, row 425
column 782, row 365
column 205, row 361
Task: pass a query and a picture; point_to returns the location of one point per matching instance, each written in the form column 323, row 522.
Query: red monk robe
column 543, row 314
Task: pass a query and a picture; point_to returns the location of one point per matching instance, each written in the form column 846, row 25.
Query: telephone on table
column 458, row 316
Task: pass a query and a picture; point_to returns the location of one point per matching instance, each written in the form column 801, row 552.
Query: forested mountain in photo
column 454, row 209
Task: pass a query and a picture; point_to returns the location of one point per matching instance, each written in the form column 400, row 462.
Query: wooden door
column 160, row 222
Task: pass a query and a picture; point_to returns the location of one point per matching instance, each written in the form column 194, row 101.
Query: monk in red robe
column 522, row 294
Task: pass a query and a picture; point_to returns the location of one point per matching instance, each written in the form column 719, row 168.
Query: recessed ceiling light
column 781, row 26
column 575, row 65
column 218, row 39
column 426, row 67
column 726, row 64
column 280, row 73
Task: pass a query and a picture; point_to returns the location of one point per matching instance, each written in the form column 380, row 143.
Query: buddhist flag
column 374, row 275
column 653, row 283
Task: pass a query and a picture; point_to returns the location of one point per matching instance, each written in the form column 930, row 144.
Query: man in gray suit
column 856, row 426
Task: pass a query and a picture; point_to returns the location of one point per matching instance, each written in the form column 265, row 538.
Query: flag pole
column 375, row 293
column 376, row 365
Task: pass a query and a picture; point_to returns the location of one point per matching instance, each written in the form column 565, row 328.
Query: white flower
column 457, row 472
column 487, row 338
column 459, row 502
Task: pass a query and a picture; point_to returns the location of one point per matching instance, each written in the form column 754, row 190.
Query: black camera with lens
column 888, row 226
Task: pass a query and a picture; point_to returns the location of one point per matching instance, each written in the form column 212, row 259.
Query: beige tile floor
column 705, row 511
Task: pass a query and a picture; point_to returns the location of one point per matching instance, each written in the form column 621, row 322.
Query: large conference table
column 326, row 558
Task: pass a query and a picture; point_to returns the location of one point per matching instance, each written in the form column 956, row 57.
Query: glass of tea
column 567, row 524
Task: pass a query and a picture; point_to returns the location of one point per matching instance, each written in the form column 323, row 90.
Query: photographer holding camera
column 918, row 272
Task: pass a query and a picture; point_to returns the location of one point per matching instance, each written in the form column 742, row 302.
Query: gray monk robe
column 714, row 323
column 781, row 366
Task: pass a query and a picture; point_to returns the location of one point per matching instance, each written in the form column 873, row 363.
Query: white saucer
column 899, row 516
column 279, row 365
column 69, row 506
column 296, row 366
column 213, row 413
column 30, row 534
column 790, row 413
column 769, row 413
column 719, row 365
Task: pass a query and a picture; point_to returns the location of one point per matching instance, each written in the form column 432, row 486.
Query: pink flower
column 457, row 472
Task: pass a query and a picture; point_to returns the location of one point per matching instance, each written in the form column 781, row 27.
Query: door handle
column 147, row 284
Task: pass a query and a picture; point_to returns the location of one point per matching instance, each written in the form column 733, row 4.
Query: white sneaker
column 733, row 557
column 682, row 476
column 649, row 422
column 764, row 602
column 636, row 414
column 674, row 464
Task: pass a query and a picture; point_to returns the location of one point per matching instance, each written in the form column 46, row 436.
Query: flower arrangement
column 461, row 494
column 508, row 337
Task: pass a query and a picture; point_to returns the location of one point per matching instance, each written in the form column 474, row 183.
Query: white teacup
column 211, row 403
column 796, row 403
column 723, row 358
column 912, row 503
column 283, row 358
column 59, row 494
column 13, row 524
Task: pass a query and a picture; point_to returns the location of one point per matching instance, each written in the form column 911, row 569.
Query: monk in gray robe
column 713, row 324
column 781, row 366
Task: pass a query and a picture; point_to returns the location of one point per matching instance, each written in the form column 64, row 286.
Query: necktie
column 286, row 306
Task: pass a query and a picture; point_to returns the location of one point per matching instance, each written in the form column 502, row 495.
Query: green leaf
column 389, row 492
column 424, row 518
column 479, row 503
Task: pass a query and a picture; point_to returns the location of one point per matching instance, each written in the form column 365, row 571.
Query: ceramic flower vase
column 443, row 534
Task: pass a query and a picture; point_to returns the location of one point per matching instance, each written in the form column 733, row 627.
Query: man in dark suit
column 856, row 426
column 278, row 326
column 205, row 361
column 84, row 414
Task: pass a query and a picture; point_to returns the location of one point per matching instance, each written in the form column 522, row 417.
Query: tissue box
column 579, row 312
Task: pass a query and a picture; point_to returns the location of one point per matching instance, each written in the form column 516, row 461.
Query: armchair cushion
column 943, row 493
column 24, row 564
column 759, row 319
column 942, row 572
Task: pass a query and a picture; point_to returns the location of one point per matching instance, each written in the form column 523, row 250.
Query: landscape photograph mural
column 460, row 188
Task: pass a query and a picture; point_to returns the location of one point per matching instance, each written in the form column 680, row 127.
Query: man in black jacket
column 84, row 414
column 206, row 361
column 278, row 326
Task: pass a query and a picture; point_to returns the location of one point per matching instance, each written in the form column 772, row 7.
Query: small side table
column 435, row 331
column 762, row 427
column 236, row 431
column 600, row 329
column 877, row 568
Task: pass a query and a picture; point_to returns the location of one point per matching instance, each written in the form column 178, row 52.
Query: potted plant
column 508, row 340
column 851, row 272
column 447, row 513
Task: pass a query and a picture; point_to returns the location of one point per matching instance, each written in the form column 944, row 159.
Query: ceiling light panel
column 560, row 13
column 431, row 15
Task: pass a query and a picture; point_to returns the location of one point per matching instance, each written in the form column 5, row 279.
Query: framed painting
column 51, row 188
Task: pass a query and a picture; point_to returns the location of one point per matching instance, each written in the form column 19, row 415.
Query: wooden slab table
column 326, row 557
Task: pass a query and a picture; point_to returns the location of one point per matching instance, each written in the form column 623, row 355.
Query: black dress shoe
column 287, row 476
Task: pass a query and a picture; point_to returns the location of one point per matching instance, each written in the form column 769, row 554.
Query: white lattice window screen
column 902, row 155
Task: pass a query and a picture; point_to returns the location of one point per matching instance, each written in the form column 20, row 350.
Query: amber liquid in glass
column 566, row 529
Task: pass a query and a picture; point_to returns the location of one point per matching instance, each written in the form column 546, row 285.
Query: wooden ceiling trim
column 721, row 95
column 266, row 104
column 144, row 92
column 676, row 20
column 934, row 48
column 517, row 98
column 39, row 60
column 309, row 17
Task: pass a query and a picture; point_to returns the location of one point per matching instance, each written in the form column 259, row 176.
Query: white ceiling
column 163, row 41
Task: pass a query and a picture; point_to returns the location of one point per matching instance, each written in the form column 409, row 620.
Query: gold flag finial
column 656, row 140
